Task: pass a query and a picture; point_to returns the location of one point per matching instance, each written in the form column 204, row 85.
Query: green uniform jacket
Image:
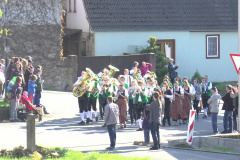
column 39, row 84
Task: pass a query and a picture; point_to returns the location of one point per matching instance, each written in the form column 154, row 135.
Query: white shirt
column 2, row 77
column 79, row 79
column 128, row 79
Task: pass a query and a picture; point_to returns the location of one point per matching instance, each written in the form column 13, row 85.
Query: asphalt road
column 60, row 128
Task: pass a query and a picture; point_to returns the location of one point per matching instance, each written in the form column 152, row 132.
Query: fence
column 97, row 63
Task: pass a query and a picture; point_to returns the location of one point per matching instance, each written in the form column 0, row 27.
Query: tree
column 3, row 32
column 161, row 62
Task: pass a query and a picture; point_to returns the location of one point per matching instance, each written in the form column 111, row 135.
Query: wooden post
column 31, row 132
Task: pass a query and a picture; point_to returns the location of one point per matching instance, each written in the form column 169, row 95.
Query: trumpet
column 138, row 90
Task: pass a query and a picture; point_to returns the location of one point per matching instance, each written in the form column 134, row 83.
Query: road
column 60, row 128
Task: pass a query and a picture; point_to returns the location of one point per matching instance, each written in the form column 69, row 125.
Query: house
column 78, row 39
column 198, row 34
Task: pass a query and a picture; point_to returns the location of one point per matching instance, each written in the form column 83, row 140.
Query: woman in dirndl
column 122, row 95
column 177, row 104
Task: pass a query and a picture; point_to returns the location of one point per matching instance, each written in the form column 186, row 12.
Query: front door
column 168, row 47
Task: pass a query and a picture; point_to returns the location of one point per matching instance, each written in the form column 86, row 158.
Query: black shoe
column 224, row 132
column 82, row 122
column 139, row 129
column 159, row 147
column 88, row 120
column 110, row 148
column 104, row 125
column 96, row 119
column 204, row 116
column 46, row 113
column 154, row 148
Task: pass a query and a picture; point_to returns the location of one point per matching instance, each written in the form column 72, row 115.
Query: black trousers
column 167, row 114
column 204, row 101
column 83, row 103
column 132, row 110
column 92, row 103
column 235, row 113
column 195, row 105
column 140, row 109
column 102, row 107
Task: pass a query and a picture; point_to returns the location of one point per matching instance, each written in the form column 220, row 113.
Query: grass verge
column 220, row 149
column 65, row 154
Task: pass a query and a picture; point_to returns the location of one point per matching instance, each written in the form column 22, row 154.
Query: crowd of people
column 134, row 92
column 21, row 81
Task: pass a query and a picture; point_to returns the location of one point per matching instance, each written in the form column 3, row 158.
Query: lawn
column 64, row 154
column 4, row 104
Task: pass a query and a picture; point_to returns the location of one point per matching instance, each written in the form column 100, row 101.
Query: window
column 212, row 46
column 74, row 7
column 69, row 5
column 72, row 4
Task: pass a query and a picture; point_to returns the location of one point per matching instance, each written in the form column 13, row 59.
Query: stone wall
column 36, row 31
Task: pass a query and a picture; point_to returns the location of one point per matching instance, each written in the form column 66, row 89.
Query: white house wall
column 190, row 50
column 77, row 20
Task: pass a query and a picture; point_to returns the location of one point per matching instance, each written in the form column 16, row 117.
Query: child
column 39, row 83
column 31, row 87
column 146, row 125
column 14, row 101
column 30, row 107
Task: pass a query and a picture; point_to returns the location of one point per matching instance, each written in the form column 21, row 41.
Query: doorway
column 168, row 47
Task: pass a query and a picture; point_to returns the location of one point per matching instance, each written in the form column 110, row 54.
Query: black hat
column 29, row 61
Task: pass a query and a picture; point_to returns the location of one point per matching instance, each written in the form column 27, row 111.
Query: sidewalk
column 60, row 128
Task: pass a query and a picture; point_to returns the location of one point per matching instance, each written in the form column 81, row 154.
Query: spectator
column 3, row 65
column 234, row 95
column 14, row 101
column 228, row 107
column 145, row 67
column 31, row 88
column 156, row 109
column 214, row 108
column 39, row 84
column 111, row 119
column 2, row 80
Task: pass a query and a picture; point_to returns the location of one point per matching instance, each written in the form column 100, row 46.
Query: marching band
column 131, row 93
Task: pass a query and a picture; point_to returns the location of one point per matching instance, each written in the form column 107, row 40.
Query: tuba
column 83, row 85
column 112, row 71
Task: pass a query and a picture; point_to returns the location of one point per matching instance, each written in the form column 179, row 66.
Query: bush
column 161, row 62
column 198, row 76
column 18, row 152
